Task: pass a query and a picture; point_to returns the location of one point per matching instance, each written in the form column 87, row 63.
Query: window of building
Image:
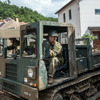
column 64, row 17
column 97, row 11
column 70, row 15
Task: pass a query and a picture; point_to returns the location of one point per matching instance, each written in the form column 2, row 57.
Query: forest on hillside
column 23, row 13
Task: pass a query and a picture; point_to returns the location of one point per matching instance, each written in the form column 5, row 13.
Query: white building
column 84, row 15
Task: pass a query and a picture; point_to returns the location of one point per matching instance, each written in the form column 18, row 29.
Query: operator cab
column 62, row 71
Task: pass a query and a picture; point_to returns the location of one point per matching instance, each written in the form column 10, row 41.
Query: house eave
column 97, row 28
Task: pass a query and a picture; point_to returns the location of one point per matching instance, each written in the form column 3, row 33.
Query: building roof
column 1, row 23
column 65, row 6
column 10, row 28
column 10, row 23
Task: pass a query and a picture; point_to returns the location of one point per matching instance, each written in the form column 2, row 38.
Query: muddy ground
column 5, row 96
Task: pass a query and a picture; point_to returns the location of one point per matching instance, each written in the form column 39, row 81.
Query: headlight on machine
column 30, row 72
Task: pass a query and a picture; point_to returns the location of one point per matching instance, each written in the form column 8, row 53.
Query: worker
column 15, row 45
column 55, row 55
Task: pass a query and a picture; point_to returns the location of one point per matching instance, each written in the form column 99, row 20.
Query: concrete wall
column 75, row 17
column 87, row 14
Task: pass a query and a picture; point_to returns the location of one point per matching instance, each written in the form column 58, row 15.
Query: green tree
column 23, row 13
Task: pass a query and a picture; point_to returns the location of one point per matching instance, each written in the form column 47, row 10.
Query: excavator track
column 78, row 85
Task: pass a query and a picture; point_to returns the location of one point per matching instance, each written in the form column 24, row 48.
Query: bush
column 90, row 37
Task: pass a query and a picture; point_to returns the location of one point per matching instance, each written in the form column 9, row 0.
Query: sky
column 44, row 7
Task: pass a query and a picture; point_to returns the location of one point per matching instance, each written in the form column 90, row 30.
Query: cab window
column 30, row 44
column 12, row 47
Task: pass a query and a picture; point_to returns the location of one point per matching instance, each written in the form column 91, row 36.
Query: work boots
column 50, row 80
